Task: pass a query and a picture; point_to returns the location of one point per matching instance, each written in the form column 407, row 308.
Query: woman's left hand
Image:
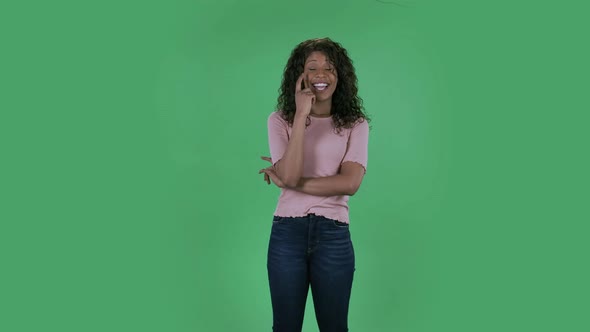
column 271, row 174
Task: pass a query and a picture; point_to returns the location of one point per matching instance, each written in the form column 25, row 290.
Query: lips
column 320, row 86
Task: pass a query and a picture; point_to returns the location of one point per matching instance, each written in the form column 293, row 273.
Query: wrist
column 300, row 116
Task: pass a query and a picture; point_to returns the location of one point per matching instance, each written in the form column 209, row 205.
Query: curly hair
column 347, row 106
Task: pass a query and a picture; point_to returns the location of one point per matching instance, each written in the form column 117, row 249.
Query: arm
column 352, row 169
column 346, row 182
column 289, row 159
column 290, row 167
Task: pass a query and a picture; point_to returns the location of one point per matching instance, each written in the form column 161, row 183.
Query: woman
column 318, row 143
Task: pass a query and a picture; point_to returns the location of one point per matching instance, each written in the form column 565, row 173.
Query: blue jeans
column 310, row 250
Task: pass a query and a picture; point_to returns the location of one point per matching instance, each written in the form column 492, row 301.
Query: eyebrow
column 327, row 62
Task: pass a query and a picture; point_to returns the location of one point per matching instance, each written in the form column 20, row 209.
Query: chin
column 324, row 98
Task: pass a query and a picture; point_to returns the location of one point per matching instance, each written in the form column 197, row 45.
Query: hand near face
column 304, row 98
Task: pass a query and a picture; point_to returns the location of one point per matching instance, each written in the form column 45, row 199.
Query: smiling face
column 321, row 75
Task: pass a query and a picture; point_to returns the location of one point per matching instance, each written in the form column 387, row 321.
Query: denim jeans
column 304, row 251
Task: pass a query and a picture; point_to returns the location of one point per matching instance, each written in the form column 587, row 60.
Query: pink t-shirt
column 323, row 152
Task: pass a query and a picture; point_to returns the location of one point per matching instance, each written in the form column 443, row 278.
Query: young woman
column 318, row 141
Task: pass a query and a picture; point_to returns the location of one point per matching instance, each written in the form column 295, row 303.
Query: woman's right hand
column 304, row 98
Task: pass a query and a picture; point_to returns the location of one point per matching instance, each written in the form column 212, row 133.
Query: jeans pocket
column 340, row 224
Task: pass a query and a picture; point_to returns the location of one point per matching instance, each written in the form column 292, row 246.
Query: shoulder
column 276, row 117
column 360, row 125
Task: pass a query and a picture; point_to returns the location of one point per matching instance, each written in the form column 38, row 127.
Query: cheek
column 334, row 79
column 308, row 78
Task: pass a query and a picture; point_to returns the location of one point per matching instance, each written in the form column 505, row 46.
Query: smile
column 320, row 86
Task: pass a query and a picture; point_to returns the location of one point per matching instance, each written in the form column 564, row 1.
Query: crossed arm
column 287, row 171
column 346, row 182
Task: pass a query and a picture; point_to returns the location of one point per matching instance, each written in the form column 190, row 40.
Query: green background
column 131, row 133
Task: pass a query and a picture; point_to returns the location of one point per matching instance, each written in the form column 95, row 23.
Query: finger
column 305, row 82
column 269, row 172
column 266, row 158
column 265, row 179
column 298, row 84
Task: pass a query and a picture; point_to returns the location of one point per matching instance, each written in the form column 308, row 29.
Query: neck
column 321, row 108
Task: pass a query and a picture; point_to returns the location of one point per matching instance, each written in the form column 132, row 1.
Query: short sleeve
column 278, row 136
column 358, row 144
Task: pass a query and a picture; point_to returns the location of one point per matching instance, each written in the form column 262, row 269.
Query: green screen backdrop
column 131, row 135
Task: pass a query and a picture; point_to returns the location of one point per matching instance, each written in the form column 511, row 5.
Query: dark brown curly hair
column 347, row 106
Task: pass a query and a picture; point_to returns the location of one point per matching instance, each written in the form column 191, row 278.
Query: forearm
column 325, row 186
column 290, row 167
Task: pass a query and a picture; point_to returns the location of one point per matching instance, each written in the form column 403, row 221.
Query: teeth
column 320, row 86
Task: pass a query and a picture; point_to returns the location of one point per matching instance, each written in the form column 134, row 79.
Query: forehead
column 317, row 57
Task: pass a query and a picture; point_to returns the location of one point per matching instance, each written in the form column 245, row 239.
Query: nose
column 321, row 73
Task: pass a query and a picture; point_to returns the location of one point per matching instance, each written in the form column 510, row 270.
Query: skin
column 290, row 168
column 346, row 182
column 318, row 69
column 317, row 103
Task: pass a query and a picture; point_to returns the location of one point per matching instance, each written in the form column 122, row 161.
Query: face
column 320, row 75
